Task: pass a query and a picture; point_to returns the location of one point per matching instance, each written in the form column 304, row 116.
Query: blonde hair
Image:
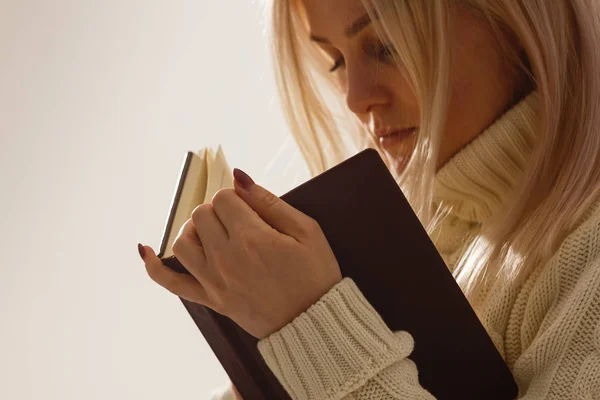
column 557, row 50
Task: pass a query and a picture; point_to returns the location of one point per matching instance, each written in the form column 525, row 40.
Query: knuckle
column 312, row 226
column 179, row 241
column 252, row 241
column 176, row 246
column 222, row 195
column 269, row 199
column 200, row 211
column 184, row 238
column 248, row 243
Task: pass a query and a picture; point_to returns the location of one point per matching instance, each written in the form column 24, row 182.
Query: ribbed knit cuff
column 334, row 347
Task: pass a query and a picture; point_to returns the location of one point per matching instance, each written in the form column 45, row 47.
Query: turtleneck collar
column 477, row 180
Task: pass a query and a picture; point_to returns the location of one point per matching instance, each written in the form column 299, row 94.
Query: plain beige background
column 99, row 101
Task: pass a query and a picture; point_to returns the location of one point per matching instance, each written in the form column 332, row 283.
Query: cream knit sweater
column 547, row 329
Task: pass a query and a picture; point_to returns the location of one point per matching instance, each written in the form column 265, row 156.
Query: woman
column 487, row 112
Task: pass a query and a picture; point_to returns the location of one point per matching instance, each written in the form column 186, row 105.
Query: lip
column 391, row 138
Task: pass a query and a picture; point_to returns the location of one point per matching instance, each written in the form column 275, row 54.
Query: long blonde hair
column 558, row 50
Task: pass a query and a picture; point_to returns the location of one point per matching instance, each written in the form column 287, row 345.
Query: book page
column 219, row 174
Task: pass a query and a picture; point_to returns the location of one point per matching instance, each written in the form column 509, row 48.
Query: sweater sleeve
column 340, row 348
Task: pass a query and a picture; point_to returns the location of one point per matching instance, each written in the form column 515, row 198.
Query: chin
column 398, row 162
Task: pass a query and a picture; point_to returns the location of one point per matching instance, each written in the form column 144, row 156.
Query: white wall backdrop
column 99, row 101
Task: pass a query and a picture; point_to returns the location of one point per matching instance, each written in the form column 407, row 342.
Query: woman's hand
column 251, row 256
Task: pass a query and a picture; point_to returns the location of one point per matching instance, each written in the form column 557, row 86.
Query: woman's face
column 482, row 86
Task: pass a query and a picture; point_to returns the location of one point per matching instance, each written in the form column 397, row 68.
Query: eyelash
column 338, row 63
column 384, row 52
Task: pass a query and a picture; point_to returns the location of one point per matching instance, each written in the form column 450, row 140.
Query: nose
column 364, row 89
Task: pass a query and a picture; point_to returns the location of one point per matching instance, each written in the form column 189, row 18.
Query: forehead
column 331, row 17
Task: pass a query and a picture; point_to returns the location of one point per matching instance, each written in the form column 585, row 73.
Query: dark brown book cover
column 379, row 243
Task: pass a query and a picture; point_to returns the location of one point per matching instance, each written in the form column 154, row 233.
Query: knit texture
column 479, row 178
column 547, row 329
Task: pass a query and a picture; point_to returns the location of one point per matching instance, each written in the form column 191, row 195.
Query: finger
column 274, row 211
column 209, row 228
column 234, row 213
column 182, row 285
column 191, row 253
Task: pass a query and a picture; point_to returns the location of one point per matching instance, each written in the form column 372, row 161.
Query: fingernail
column 142, row 251
column 245, row 181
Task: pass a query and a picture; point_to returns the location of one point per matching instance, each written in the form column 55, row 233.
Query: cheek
column 468, row 88
column 460, row 105
column 403, row 93
column 460, row 118
column 341, row 79
column 467, row 117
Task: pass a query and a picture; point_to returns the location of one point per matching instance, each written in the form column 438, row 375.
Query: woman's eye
column 384, row 53
column 338, row 63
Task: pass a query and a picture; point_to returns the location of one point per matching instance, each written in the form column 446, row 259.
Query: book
column 202, row 174
column 380, row 243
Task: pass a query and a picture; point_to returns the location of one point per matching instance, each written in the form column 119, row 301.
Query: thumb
column 274, row 211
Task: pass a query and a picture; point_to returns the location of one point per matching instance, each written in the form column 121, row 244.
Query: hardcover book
column 380, row 243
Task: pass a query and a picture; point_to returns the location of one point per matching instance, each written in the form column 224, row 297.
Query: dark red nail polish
column 245, row 181
column 142, row 251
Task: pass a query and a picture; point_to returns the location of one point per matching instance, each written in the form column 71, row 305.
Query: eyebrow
column 353, row 30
